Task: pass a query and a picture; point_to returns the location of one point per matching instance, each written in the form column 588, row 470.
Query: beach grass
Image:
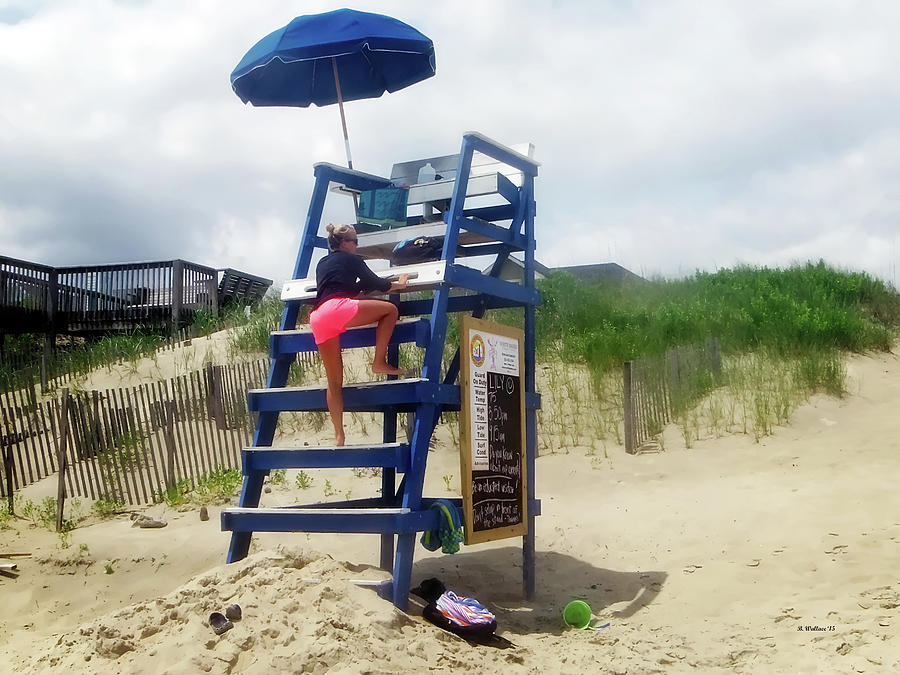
column 802, row 309
column 783, row 333
column 251, row 336
column 20, row 365
column 79, row 357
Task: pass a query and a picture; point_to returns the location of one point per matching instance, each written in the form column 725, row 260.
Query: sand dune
column 732, row 556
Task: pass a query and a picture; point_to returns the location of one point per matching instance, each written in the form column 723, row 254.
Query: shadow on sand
column 494, row 577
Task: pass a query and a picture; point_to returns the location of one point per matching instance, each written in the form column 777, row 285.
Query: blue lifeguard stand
column 453, row 206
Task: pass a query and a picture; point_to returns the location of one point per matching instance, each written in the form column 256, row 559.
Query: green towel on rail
column 450, row 531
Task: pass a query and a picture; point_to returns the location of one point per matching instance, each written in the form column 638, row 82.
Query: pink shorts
column 330, row 319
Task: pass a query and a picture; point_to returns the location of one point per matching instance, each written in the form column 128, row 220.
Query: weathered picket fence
column 130, row 444
column 658, row 388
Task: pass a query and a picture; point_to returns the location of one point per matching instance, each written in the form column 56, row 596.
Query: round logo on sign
column 476, row 349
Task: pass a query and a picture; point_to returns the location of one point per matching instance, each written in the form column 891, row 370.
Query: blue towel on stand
column 384, row 207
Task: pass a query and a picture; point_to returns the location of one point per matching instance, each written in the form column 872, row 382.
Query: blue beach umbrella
column 338, row 56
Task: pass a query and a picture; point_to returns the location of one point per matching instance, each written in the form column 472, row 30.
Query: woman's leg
column 330, row 351
column 385, row 314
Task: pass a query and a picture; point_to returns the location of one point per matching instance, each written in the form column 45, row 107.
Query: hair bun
column 329, row 228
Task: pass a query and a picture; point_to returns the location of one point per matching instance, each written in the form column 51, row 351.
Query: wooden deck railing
column 24, row 292
column 93, row 298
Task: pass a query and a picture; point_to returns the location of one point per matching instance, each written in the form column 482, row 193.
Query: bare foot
column 339, row 438
column 385, row 369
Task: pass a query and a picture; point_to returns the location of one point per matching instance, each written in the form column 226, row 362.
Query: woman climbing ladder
column 341, row 277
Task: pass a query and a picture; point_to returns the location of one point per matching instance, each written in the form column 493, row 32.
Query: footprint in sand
column 884, row 598
column 839, row 548
column 786, row 614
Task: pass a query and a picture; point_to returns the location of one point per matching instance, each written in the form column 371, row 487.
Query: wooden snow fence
column 129, row 445
column 659, row 388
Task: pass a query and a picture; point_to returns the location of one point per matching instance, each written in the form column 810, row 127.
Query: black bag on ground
column 417, row 250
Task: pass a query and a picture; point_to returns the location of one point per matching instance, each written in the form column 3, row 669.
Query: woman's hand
column 400, row 282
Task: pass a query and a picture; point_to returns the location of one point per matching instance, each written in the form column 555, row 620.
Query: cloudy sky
column 674, row 135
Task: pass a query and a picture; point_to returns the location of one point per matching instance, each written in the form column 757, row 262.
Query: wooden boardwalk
column 90, row 299
column 102, row 298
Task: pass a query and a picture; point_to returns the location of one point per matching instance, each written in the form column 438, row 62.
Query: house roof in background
column 514, row 263
column 600, row 272
column 592, row 274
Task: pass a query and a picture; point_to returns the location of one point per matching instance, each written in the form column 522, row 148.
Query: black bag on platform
column 417, row 250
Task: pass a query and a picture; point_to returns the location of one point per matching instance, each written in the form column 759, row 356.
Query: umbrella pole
column 337, row 86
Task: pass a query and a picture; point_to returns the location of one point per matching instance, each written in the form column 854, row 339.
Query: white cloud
column 673, row 136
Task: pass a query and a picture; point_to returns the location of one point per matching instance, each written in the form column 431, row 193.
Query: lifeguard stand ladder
column 400, row 511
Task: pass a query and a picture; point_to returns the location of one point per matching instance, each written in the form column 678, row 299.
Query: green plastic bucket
column 577, row 614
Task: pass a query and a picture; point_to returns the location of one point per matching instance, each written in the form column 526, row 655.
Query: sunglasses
column 355, row 241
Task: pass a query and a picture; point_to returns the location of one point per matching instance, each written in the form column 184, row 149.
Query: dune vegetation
column 783, row 335
column 788, row 311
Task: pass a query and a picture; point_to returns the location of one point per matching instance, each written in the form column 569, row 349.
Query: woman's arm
column 398, row 284
column 369, row 281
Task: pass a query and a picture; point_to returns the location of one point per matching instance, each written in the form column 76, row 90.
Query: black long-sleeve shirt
column 344, row 275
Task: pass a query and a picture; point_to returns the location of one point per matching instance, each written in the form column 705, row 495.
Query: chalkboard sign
column 492, row 431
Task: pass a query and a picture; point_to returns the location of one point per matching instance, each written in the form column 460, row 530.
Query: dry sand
column 721, row 558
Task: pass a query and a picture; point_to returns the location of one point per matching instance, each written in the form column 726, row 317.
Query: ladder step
column 360, row 521
column 383, row 455
column 284, row 342
column 400, row 395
